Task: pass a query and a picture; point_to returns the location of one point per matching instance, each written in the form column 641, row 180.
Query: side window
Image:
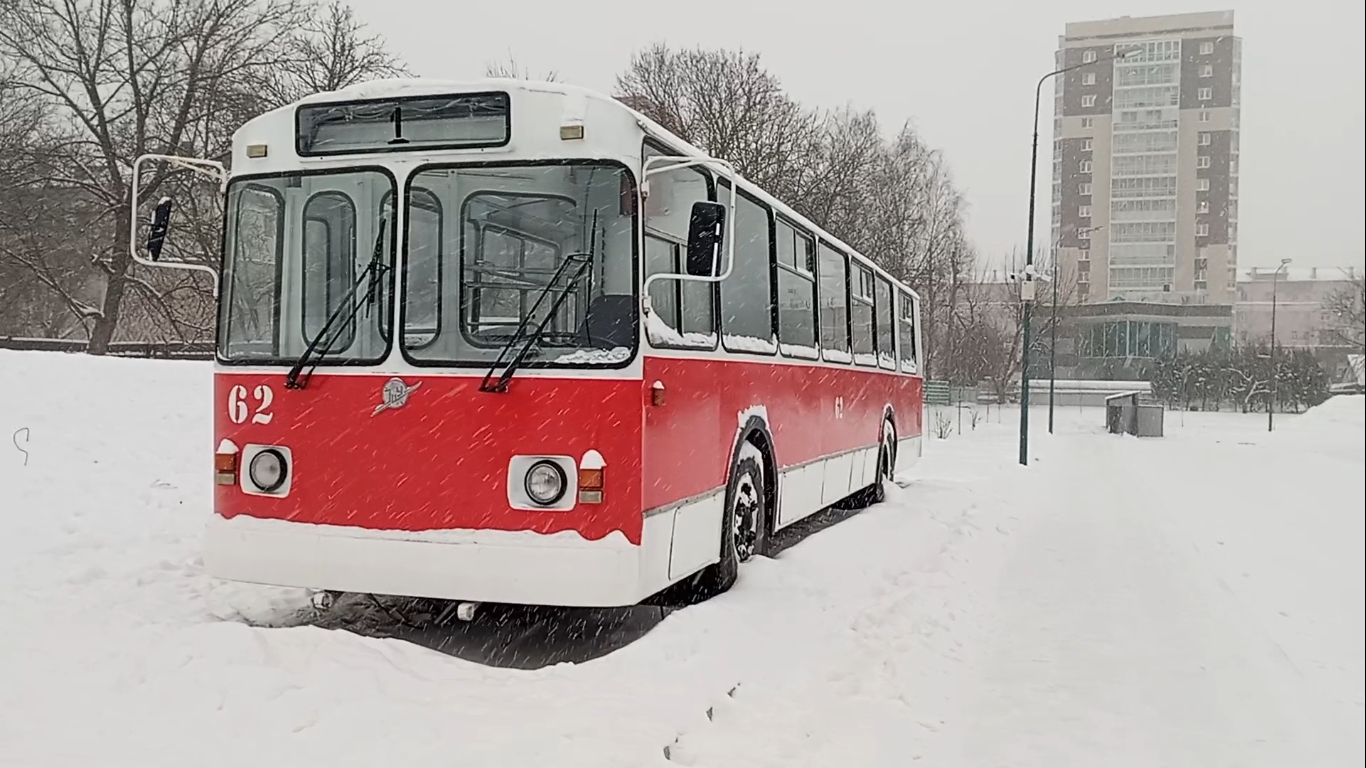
column 909, row 363
column 861, row 315
column 796, row 292
column 834, row 313
column 329, row 251
column 886, row 330
column 746, row 296
column 426, row 230
column 692, row 320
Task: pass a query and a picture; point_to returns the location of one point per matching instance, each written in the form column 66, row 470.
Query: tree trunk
column 108, row 321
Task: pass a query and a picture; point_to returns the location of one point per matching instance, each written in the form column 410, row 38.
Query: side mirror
column 161, row 222
column 705, row 233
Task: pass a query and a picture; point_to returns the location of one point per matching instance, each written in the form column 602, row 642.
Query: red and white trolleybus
column 503, row 341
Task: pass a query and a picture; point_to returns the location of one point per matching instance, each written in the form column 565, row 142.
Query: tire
column 744, row 526
column 886, row 464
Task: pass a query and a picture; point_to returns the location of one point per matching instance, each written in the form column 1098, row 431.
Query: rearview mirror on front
column 161, row 222
column 705, row 234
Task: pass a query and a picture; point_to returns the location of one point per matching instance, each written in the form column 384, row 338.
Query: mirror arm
column 731, row 176
column 210, row 168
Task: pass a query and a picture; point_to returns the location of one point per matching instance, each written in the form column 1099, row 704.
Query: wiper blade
column 374, row 270
column 528, row 340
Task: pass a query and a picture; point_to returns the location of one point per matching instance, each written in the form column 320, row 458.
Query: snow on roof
column 427, row 86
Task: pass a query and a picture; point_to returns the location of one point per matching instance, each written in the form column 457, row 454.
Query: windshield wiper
column 529, row 340
column 374, row 270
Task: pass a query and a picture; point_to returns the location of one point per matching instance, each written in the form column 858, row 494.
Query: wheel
column 744, row 526
column 886, row 464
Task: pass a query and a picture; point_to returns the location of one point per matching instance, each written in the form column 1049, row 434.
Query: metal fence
column 162, row 350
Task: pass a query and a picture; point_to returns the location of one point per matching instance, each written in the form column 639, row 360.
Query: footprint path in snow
column 890, row 686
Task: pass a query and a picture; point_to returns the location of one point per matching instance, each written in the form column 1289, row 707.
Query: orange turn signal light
column 225, row 468
column 590, row 479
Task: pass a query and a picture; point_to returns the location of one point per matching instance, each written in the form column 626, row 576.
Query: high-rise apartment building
column 1145, row 158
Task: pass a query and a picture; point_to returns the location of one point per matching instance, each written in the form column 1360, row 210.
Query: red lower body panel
column 437, row 461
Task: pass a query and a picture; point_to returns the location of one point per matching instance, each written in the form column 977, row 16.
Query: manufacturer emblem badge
column 395, row 394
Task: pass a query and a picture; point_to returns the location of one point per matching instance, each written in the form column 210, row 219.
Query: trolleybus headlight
column 268, row 470
column 545, row 483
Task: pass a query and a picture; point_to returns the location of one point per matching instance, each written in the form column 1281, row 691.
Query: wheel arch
column 755, row 431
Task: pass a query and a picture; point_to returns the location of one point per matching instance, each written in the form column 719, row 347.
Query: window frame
column 848, row 332
column 327, row 280
column 907, row 312
column 465, row 300
column 635, row 258
column 225, row 288
column 879, row 282
column 679, row 246
column 863, row 270
column 278, row 359
column 401, row 148
column 771, row 254
column 440, row 211
column 813, row 253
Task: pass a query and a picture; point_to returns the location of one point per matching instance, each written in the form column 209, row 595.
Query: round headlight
column 545, row 483
column 268, row 470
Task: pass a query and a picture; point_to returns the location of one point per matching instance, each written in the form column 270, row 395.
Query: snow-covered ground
column 1190, row 601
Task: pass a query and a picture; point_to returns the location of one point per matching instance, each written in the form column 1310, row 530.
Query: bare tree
column 986, row 324
column 122, row 78
column 512, row 71
column 727, row 104
column 330, row 51
column 1347, row 306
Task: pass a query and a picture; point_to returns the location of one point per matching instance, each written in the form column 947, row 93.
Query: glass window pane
column 907, row 342
column 660, row 258
column 834, row 311
column 886, row 332
column 746, row 295
column 251, row 304
column 425, row 234
column 796, row 321
column 329, row 251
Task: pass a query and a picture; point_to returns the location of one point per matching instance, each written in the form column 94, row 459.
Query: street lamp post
column 1053, row 330
column 1053, row 345
column 1027, row 282
column 1271, row 404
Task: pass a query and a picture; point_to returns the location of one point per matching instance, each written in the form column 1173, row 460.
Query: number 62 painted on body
column 238, row 410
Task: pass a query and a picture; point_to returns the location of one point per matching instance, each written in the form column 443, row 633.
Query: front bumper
column 519, row 567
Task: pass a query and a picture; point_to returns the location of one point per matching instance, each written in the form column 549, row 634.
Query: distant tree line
column 1240, row 380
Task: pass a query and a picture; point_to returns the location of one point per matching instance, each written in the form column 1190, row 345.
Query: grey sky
column 964, row 74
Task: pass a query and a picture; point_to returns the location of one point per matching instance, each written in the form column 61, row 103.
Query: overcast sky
column 964, row 74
